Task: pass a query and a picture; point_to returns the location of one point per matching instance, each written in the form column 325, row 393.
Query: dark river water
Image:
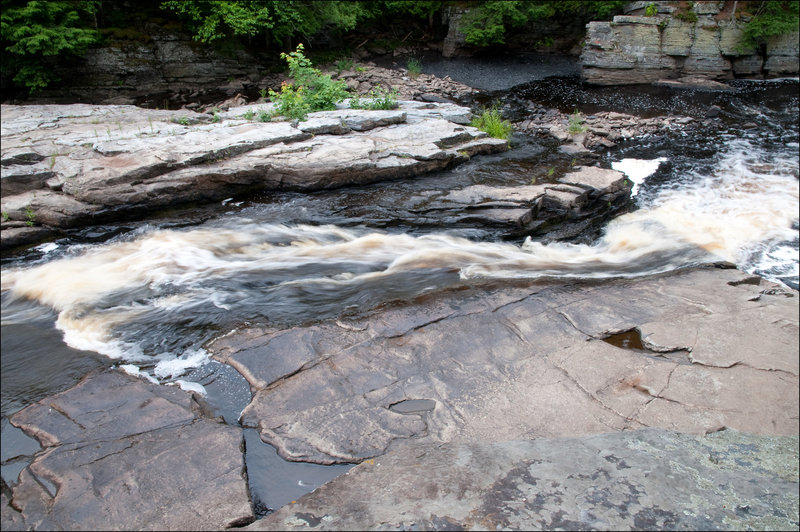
column 147, row 296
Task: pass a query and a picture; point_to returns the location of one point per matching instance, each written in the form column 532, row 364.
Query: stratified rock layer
column 698, row 43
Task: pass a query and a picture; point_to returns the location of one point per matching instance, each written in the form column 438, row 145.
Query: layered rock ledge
column 70, row 165
column 703, row 40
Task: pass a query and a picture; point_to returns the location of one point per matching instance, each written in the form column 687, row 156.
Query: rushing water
column 150, row 297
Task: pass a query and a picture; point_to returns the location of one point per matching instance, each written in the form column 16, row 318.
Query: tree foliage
column 489, row 21
column 771, row 19
column 215, row 19
column 36, row 33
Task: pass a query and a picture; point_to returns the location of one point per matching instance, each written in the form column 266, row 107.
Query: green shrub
column 291, row 102
column 311, row 91
column 576, row 123
column 343, row 64
column 264, row 116
column 492, row 123
column 379, row 99
column 651, row 10
column 249, row 114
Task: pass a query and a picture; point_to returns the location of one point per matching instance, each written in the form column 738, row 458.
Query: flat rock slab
column 522, row 363
column 648, row 479
column 121, row 453
column 71, row 165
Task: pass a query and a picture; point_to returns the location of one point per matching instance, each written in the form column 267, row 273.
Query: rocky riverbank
column 65, row 167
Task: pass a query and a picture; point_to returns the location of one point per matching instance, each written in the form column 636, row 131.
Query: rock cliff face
column 702, row 42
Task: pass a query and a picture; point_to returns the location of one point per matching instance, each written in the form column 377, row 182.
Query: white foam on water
column 47, row 248
column 637, row 170
column 130, row 369
column 192, row 387
column 169, row 368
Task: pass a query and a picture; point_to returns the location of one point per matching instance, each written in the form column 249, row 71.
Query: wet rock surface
column 78, row 164
column 121, row 453
column 649, row 479
column 533, row 364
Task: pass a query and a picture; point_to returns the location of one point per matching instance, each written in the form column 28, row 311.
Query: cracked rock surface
column 522, row 363
column 121, row 453
column 495, row 405
column 649, row 479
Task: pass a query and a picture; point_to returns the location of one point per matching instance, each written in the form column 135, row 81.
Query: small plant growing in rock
column 651, row 10
column 216, row 118
column 360, row 69
column 689, row 16
column 576, row 123
column 380, row 99
column 5, row 216
column 492, row 123
column 184, row 121
column 263, row 93
column 249, row 114
column 264, row 116
column 414, row 66
column 30, row 215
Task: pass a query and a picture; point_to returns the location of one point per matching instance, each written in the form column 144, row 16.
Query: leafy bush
column 576, row 125
column 651, row 10
column 379, row 99
column 492, row 123
column 291, row 102
column 343, row 64
column 311, row 91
